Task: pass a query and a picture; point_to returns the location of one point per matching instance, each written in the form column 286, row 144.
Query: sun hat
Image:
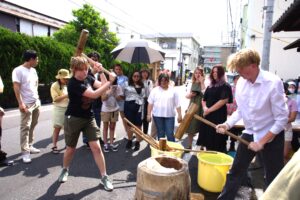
column 62, row 73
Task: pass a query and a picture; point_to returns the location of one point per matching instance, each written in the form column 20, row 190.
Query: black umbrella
column 138, row 51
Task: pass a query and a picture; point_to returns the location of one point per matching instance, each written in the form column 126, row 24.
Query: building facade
column 283, row 63
column 215, row 55
column 23, row 20
column 182, row 51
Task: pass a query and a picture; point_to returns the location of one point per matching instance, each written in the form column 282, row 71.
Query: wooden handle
column 81, row 42
column 91, row 61
column 196, row 151
column 162, row 144
column 146, row 137
column 205, row 121
column 193, row 108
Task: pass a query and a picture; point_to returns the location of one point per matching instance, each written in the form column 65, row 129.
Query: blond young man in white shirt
column 261, row 105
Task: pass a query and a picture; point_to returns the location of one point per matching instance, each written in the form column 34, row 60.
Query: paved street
column 38, row 180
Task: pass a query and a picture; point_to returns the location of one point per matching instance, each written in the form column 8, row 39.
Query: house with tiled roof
column 30, row 22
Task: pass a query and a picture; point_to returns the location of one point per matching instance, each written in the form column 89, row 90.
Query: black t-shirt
column 79, row 105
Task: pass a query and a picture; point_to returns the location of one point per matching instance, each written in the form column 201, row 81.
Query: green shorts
column 74, row 125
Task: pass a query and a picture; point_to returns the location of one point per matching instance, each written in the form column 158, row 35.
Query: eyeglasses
column 136, row 76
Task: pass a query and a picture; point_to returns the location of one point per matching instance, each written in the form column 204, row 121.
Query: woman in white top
column 163, row 101
column 60, row 100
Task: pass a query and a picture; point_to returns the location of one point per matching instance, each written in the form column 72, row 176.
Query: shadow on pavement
column 51, row 193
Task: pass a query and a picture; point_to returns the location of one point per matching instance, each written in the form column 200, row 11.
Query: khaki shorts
column 74, row 125
column 110, row 116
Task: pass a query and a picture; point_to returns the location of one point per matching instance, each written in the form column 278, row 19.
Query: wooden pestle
column 205, row 121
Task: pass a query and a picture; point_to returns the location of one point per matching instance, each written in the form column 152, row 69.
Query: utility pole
column 265, row 60
column 180, row 64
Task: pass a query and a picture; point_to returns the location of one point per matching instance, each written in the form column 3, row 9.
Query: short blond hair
column 78, row 63
column 242, row 59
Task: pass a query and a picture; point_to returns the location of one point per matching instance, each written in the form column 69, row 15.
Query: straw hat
column 62, row 73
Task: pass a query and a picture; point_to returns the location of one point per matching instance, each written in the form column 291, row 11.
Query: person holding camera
column 110, row 114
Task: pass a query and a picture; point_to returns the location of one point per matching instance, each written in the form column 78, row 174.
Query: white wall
column 52, row 30
column 34, row 29
column 285, row 63
column 25, row 27
column 40, row 30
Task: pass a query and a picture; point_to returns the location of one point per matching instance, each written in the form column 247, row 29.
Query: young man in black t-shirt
column 79, row 116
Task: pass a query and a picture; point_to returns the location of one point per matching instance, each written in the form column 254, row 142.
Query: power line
column 130, row 27
column 75, row 3
column 142, row 23
column 124, row 12
column 259, row 32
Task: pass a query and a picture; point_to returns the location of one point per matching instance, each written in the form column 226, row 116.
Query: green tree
column 100, row 39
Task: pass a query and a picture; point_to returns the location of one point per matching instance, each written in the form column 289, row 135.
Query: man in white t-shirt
column 25, row 84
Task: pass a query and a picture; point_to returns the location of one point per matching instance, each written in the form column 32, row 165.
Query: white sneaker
column 32, row 149
column 26, row 157
column 114, row 147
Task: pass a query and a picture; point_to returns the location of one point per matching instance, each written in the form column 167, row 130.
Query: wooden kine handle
column 81, row 42
column 205, row 121
column 91, row 61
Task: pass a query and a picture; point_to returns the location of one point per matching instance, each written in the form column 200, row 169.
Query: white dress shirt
column 261, row 105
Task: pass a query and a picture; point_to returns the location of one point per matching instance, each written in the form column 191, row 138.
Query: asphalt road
column 38, row 180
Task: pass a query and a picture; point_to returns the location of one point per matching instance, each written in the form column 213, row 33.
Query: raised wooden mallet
column 80, row 47
column 81, row 42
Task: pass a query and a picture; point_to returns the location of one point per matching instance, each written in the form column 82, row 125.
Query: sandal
column 55, row 150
